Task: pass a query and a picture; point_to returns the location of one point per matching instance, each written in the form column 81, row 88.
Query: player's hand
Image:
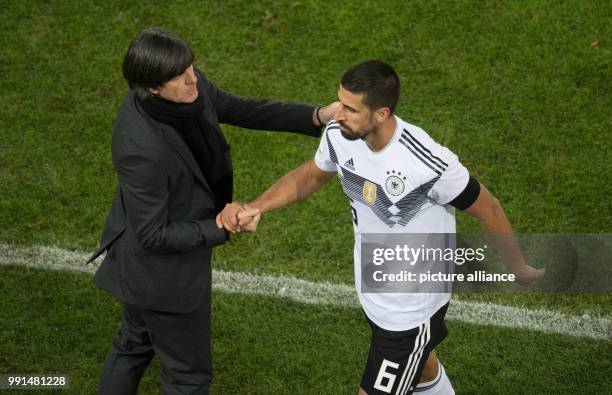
column 228, row 218
column 528, row 275
column 327, row 112
column 248, row 219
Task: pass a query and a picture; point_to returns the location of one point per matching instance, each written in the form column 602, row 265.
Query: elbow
column 494, row 212
column 490, row 206
column 486, row 208
column 495, row 207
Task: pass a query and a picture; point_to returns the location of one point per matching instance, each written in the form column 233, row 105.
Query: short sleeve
column 453, row 180
column 322, row 158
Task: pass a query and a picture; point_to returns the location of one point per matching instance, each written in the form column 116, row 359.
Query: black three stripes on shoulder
column 332, row 151
column 333, row 125
column 422, row 153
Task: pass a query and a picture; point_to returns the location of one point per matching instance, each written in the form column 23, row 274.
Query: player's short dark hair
column 376, row 80
column 153, row 58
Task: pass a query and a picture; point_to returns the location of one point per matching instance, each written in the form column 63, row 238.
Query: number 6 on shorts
column 383, row 374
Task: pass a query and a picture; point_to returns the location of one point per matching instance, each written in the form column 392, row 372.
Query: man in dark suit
column 174, row 176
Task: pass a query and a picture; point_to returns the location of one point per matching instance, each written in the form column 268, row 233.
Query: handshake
column 237, row 217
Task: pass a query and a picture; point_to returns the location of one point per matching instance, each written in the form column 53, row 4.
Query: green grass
column 517, row 90
column 521, row 91
column 57, row 322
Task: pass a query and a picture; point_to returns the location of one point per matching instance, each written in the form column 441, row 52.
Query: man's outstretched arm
column 493, row 220
column 294, row 186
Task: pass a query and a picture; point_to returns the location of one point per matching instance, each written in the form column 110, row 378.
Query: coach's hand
column 324, row 114
column 228, row 218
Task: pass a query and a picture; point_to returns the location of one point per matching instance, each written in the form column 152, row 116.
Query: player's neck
column 379, row 139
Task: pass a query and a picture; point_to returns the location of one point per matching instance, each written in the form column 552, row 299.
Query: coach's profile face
column 180, row 89
column 356, row 119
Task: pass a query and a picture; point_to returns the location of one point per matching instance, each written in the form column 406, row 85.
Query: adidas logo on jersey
column 349, row 164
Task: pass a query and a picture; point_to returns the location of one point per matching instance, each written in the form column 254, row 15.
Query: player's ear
column 382, row 114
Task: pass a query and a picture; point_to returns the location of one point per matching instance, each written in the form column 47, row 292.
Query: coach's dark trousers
column 181, row 341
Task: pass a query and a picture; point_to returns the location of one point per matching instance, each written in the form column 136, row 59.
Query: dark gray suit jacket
column 161, row 227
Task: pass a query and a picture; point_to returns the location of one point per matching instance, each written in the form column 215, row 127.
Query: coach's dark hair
column 376, row 80
column 153, row 58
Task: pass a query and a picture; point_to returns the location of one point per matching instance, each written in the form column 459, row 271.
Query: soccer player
column 398, row 180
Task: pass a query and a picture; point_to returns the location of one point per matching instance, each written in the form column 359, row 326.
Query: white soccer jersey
column 404, row 188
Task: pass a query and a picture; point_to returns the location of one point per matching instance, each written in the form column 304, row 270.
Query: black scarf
column 207, row 144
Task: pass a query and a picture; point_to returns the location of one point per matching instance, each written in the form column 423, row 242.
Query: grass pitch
column 519, row 90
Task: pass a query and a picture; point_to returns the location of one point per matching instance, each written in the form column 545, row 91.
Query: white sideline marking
column 585, row 325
